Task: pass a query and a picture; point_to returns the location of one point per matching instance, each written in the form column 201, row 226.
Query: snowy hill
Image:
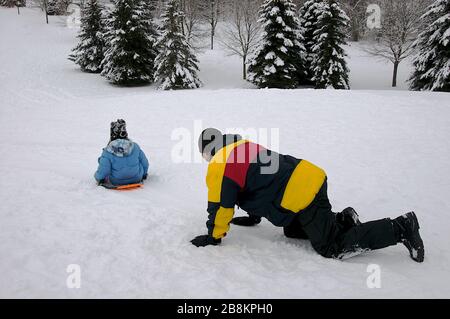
column 385, row 151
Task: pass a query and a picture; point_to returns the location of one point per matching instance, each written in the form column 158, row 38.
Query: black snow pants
column 330, row 239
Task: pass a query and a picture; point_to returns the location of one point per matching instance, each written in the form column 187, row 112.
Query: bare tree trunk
column 213, row 19
column 394, row 75
column 18, row 9
column 45, row 8
column 183, row 19
column 214, row 16
column 212, row 38
column 244, row 67
column 355, row 30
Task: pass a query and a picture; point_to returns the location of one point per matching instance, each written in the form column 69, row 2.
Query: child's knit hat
column 118, row 130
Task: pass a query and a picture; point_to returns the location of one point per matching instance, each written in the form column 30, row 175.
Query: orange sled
column 123, row 187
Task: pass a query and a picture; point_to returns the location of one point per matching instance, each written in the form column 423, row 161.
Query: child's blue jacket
column 122, row 162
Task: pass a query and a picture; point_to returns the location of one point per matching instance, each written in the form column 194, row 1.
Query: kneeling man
column 291, row 193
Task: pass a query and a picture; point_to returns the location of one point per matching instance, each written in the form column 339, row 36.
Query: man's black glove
column 101, row 182
column 144, row 177
column 205, row 240
column 246, row 220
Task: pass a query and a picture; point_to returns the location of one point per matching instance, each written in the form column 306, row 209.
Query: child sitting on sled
column 122, row 161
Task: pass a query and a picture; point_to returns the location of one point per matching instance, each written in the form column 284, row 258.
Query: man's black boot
column 406, row 228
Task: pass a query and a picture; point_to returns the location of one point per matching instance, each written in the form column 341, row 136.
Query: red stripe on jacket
column 239, row 161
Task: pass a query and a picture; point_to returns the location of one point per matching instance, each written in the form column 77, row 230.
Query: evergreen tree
column 279, row 62
column 131, row 37
column 328, row 65
column 432, row 62
column 89, row 52
column 176, row 65
column 308, row 25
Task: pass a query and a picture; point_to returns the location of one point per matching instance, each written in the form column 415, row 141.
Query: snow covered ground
column 385, row 151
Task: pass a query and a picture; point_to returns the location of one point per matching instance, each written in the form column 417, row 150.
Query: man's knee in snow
column 327, row 250
column 295, row 233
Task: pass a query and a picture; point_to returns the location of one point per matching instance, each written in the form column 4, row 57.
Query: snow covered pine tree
column 89, row 52
column 328, row 65
column 308, row 24
column 176, row 65
column 432, row 62
column 131, row 37
column 280, row 60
